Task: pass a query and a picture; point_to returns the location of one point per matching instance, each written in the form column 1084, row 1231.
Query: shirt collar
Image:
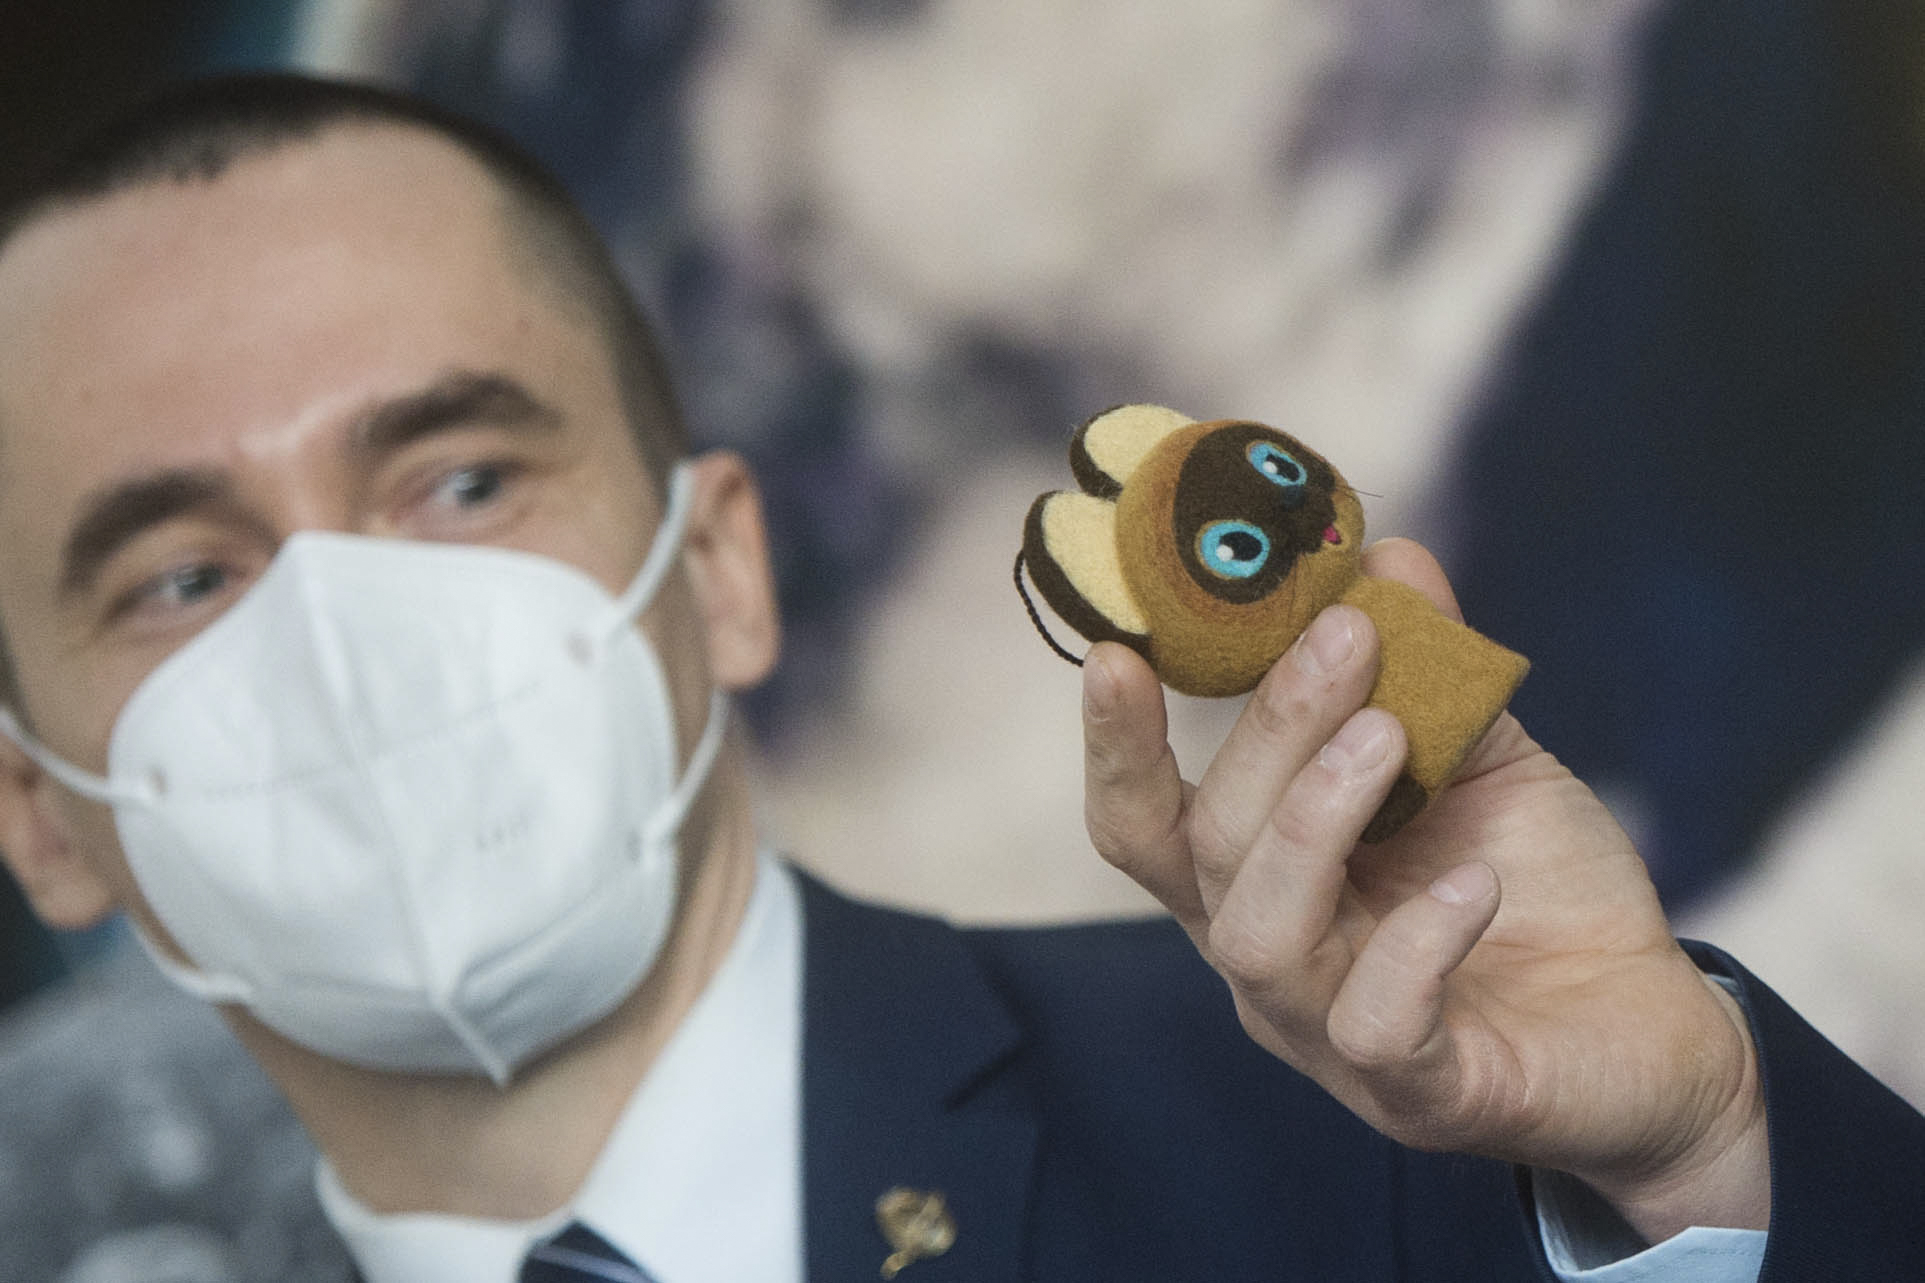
column 713, row 1130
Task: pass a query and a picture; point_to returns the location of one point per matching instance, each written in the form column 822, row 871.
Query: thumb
column 1387, row 1021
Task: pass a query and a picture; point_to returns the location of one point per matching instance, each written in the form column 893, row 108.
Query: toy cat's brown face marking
column 1249, row 502
column 1204, row 546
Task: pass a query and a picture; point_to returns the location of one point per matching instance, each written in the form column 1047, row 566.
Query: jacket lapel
column 907, row 1083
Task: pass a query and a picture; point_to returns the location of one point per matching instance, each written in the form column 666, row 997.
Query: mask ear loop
column 95, row 788
column 661, row 553
column 208, row 986
column 205, row 985
column 667, row 821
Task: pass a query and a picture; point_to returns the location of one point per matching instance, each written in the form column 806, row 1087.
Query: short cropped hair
column 194, row 131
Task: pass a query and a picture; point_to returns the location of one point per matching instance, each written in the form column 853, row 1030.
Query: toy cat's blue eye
column 1276, row 466
column 1232, row 549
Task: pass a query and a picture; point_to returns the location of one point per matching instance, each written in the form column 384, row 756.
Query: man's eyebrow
column 120, row 513
column 123, row 512
column 465, row 397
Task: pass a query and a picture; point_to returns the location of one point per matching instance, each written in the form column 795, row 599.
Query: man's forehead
column 378, row 166
column 225, row 282
column 347, row 193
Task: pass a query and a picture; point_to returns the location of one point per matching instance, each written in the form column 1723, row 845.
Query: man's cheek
column 93, row 838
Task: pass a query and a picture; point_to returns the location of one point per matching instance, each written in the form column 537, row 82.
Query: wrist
column 1723, row 1177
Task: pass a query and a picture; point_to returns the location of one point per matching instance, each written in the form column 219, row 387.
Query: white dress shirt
column 1587, row 1242
column 701, row 1179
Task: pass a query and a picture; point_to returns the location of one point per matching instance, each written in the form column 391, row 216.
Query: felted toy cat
column 1208, row 547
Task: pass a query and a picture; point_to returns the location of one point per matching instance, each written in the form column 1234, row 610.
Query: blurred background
column 1616, row 303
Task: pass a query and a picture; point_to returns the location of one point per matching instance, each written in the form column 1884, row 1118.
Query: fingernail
column 1329, row 641
column 1362, row 744
column 1466, row 884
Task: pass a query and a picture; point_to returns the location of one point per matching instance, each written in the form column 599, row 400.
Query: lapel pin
column 917, row 1224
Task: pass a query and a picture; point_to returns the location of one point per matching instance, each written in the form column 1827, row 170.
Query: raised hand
column 1498, row 978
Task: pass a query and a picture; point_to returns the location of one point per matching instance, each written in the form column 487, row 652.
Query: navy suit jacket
column 1081, row 1096
column 1088, row 1106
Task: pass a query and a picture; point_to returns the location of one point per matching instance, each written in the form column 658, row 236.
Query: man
column 296, row 376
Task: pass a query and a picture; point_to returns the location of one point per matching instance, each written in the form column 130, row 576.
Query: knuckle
column 1366, row 1041
column 1212, row 842
column 1281, row 707
column 1116, row 761
column 1413, row 949
column 1110, row 836
column 1127, row 819
column 1250, row 958
column 1294, row 828
column 1253, row 1020
column 1104, row 760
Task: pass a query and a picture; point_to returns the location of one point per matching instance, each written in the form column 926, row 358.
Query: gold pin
column 916, row 1223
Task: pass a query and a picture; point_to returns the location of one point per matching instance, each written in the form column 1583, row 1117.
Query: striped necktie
column 580, row 1255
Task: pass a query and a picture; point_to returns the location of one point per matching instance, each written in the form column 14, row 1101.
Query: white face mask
column 413, row 804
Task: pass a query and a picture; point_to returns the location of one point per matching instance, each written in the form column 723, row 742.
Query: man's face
column 338, row 334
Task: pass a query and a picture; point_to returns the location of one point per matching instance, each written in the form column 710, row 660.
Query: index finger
column 1409, row 562
column 1306, row 696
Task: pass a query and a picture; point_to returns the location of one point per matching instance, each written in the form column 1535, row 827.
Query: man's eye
column 173, row 591
column 472, row 487
column 186, row 585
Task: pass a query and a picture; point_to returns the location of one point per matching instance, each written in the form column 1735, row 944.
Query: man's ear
column 65, row 890
column 727, row 555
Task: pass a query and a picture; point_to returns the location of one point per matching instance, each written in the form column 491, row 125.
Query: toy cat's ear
column 1106, row 450
column 1069, row 547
